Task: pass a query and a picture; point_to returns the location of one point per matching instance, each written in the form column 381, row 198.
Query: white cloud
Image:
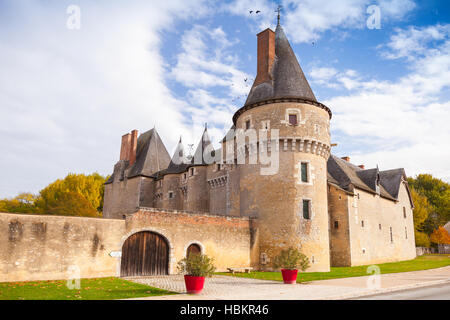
column 402, row 123
column 66, row 96
column 307, row 20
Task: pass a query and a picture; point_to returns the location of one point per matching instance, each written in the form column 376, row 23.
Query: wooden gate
column 144, row 254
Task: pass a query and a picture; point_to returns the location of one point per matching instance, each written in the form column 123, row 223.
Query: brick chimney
column 133, row 147
column 346, row 158
column 361, row 166
column 128, row 147
column 266, row 56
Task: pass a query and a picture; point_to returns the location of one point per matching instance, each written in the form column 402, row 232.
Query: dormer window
column 293, row 119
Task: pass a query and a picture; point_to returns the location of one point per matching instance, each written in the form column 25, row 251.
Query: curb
column 387, row 290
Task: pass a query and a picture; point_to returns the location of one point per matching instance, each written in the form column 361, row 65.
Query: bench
column 242, row 269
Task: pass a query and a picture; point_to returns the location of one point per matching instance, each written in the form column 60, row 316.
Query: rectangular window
column 304, row 168
column 170, row 194
column 336, row 224
column 406, row 233
column 219, row 167
column 192, row 171
column 362, row 223
column 379, row 226
column 404, row 212
column 293, row 119
column 247, row 124
column 306, row 209
column 392, row 237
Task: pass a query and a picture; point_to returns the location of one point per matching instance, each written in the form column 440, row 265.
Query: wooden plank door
column 144, row 254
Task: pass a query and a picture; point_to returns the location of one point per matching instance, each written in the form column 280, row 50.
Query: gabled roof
column 347, row 175
column 391, row 180
column 288, row 79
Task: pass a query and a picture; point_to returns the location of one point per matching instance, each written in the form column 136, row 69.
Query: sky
column 76, row 75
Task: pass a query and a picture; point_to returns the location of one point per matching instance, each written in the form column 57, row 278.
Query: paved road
column 439, row 292
column 226, row 287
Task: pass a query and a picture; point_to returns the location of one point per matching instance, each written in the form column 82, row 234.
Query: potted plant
column 290, row 261
column 195, row 268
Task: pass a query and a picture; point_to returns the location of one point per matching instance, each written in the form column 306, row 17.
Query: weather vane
column 278, row 11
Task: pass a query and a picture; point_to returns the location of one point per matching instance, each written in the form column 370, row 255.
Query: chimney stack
column 361, row 166
column 266, row 56
column 346, row 158
column 128, row 147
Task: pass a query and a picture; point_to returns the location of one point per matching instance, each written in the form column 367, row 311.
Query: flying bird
column 258, row 11
column 251, row 11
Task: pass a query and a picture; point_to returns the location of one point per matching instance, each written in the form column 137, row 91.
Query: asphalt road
column 438, row 292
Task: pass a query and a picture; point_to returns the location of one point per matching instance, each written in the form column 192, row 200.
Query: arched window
column 193, row 249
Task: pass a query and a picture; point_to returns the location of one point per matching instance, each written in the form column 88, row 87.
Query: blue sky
column 67, row 96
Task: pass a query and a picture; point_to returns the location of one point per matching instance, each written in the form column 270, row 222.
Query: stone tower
column 291, row 203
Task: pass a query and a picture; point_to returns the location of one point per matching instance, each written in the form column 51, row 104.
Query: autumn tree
column 440, row 236
column 437, row 193
column 79, row 192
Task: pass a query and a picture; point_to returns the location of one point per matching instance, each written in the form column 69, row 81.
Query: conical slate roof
column 204, row 144
column 179, row 162
column 287, row 77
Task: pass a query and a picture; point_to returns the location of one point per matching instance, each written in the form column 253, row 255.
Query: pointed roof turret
column 204, row 148
column 286, row 78
column 279, row 75
column 179, row 162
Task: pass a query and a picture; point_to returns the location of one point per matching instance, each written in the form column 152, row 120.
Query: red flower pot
column 289, row 276
column 194, row 284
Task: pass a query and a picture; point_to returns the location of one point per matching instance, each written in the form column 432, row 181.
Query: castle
column 244, row 213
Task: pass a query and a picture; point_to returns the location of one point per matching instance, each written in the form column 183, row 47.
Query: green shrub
column 198, row 265
column 291, row 259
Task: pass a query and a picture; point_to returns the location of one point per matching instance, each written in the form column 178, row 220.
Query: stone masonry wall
column 38, row 247
column 226, row 239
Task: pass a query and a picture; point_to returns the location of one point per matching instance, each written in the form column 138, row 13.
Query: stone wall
column 338, row 204
column 371, row 219
column 38, row 247
column 227, row 239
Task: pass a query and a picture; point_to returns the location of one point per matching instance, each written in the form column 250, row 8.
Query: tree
column 60, row 196
column 422, row 209
column 438, row 194
column 76, row 194
column 23, row 203
column 422, row 239
column 440, row 236
column 72, row 204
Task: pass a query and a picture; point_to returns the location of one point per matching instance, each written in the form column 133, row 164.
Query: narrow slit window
column 392, row 237
column 304, row 169
column 293, row 119
column 247, row 124
column 404, row 212
column 306, row 209
column 336, row 224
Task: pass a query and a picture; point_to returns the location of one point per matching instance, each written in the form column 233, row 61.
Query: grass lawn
column 420, row 263
column 91, row 289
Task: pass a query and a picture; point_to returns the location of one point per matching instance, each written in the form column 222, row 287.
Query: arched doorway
column 193, row 249
column 144, row 254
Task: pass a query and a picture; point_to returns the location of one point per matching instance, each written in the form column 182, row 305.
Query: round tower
column 291, row 201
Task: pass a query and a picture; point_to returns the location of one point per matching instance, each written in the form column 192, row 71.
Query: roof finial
column 278, row 16
column 206, row 126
